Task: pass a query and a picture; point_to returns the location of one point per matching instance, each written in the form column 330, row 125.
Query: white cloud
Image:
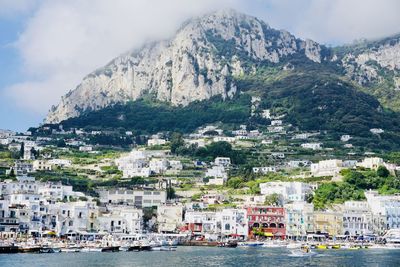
column 12, row 7
column 65, row 40
column 333, row 21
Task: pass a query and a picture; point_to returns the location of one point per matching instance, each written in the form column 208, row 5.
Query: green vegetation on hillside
column 355, row 182
column 152, row 117
column 314, row 101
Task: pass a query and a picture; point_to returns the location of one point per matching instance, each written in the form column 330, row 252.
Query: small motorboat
column 337, row 246
column 250, row 244
column 110, row 249
column 164, row 248
column 124, row 248
column 228, row 244
column 301, row 253
column 71, row 249
column 91, row 249
column 47, row 249
column 274, row 245
column 294, row 246
column 304, row 251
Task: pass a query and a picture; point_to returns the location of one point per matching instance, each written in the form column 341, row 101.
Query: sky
column 48, row 46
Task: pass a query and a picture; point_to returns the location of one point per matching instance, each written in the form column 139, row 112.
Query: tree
column 12, row 173
column 176, row 142
column 382, row 172
column 61, row 143
column 170, row 193
column 22, row 150
column 273, row 200
column 235, row 182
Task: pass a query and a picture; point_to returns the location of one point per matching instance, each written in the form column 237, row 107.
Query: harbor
column 208, row 256
column 159, row 242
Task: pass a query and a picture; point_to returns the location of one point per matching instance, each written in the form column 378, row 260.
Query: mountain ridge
column 184, row 68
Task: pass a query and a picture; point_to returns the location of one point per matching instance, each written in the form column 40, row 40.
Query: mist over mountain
column 225, row 54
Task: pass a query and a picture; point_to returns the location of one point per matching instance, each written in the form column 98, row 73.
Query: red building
column 266, row 221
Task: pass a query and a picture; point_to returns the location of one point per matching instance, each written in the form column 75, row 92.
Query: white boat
column 273, row 244
column 392, row 238
column 124, row 248
column 91, row 249
column 169, row 248
column 250, row 244
column 70, row 249
column 294, row 246
column 302, row 253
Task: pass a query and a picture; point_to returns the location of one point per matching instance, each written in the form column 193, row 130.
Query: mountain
column 196, row 64
column 213, row 67
column 375, row 65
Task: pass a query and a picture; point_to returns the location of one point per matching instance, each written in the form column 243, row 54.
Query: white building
column 201, row 223
column 385, row 211
column 233, row 222
column 216, row 175
column 136, row 172
column 264, row 170
column 137, row 198
column 327, row 168
column 156, row 142
column 60, row 162
column 290, row 191
column 345, row 138
column 121, row 220
column 57, row 192
column 222, row 161
column 41, row 165
column 158, row 166
column 276, row 122
column 376, row 130
column 169, row 218
column 371, row 163
column 357, row 218
column 85, row 148
column 74, row 217
column 313, row 146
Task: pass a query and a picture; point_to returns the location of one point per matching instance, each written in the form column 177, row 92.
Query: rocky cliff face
column 374, row 61
column 196, row 64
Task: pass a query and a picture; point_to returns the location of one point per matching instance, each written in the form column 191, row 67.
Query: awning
column 235, row 235
column 268, row 234
column 49, row 233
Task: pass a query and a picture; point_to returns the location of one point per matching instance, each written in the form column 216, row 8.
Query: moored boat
column 164, row 248
column 71, row 249
column 91, row 249
column 29, row 249
column 8, row 249
column 250, row 244
column 110, row 249
column 228, row 244
column 47, row 249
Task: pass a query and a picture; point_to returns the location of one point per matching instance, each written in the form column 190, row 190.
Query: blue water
column 206, row 256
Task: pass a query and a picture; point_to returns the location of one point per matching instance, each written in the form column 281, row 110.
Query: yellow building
column 329, row 221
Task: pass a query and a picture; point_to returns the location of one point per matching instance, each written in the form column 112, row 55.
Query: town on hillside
column 220, row 183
